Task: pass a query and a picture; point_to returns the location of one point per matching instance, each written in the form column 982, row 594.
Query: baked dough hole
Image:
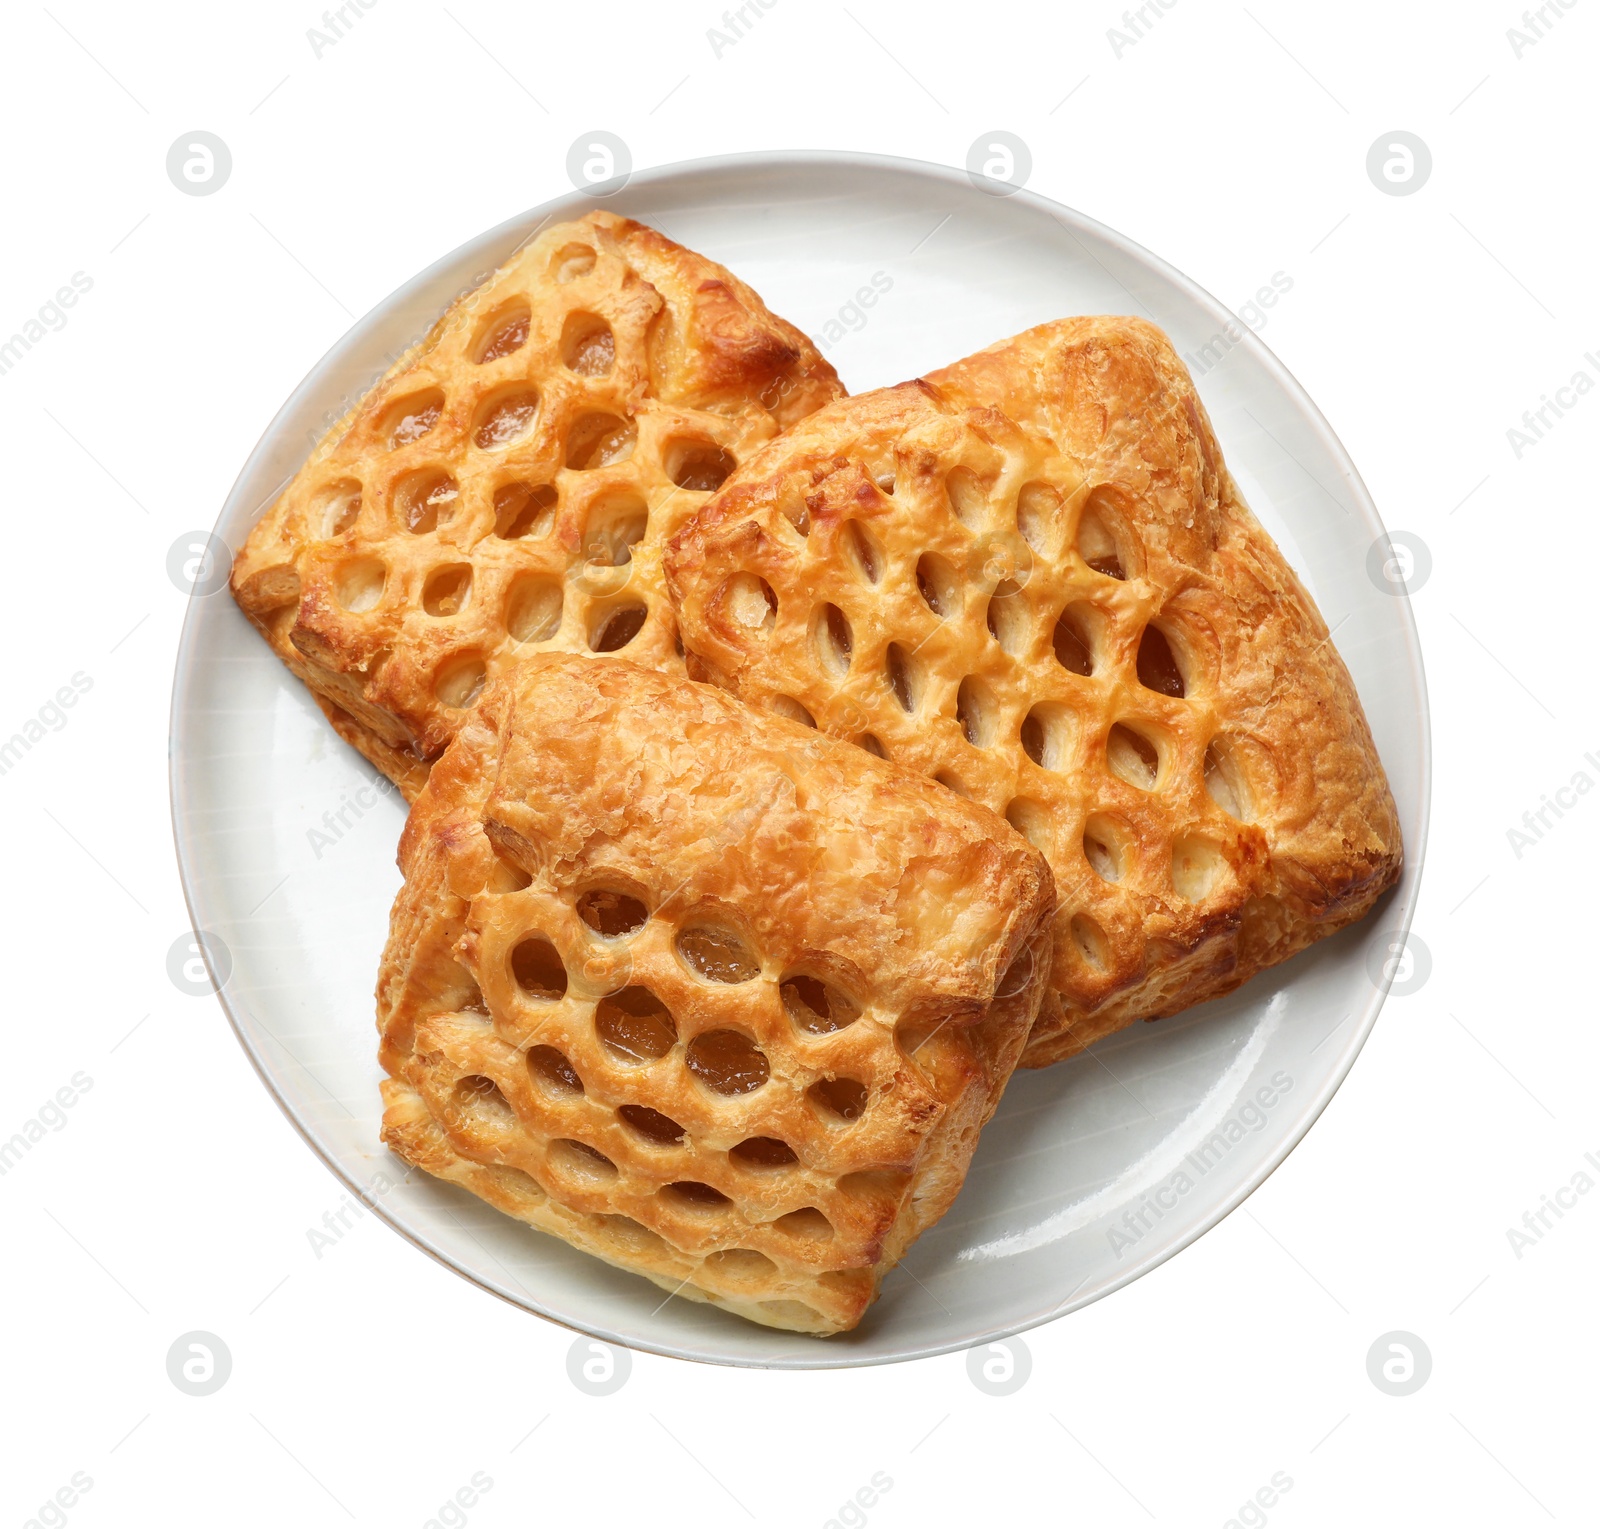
column 872, row 1184
column 461, row 682
column 505, row 418
column 588, row 348
column 505, row 331
column 636, row 1238
column 808, row 1224
column 615, row 528
column 938, row 585
column 747, row 602
column 618, row 627
column 969, row 500
column 1097, row 543
column 1225, row 782
column 815, row 1006
column 426, row 500
column 884, row 478
column 832, row 639
column 448, row 590
column 533, row 609
column 869, row 742
column 699, row 466
column 1158, row 667
column 358, row 584
column 1197, row 863
column 952, row 783
column 1039, row 517
column 524, row 509
column 1102, row 848
column 612, row 914
column 579, row 1162
column 411, row 417
column 1074, row 642
column 552, row 1071
column 727, row 1062
column 862, row 550
column 763, row 1152
column 787, row 706
column 507, row 875
column 335, row 509
column 740, row 1266
column 657, row 1129
column 1090, row 940
column 1007, row 617
column 537, row 969
column 1046, row 735
column 693, row 1195
column 1132, row 757
column 571, row 261
column 911, row 1036
column 718, row 955
column 479, row 1102
column 1016, row 976
column 1031, row 819
column 798, row 513
column 903, row 681
column 976, row 711
column 838, row 1098
column 635, row 1026
column 597, row 440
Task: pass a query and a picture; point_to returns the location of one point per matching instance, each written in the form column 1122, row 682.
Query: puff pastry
column 508, row 485
column 1031, row 577
column 708, row 995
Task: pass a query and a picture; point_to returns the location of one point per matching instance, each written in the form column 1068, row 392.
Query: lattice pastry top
column 1031, row 577
column 708, row 995
column 508, row 485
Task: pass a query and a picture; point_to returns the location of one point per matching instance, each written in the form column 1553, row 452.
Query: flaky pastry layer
column 706, row 994
column 1030, row 577
column 507, row 487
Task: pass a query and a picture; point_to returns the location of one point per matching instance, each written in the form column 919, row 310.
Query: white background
column 369, row 1384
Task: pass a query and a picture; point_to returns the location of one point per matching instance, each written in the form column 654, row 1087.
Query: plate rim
column 1397, row 908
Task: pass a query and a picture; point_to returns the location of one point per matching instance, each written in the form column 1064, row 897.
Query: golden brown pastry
column 1031, row 577
column 508, row 485
column 705, row 994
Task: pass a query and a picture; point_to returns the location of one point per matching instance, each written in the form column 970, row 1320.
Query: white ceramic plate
column 1078, row 1186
